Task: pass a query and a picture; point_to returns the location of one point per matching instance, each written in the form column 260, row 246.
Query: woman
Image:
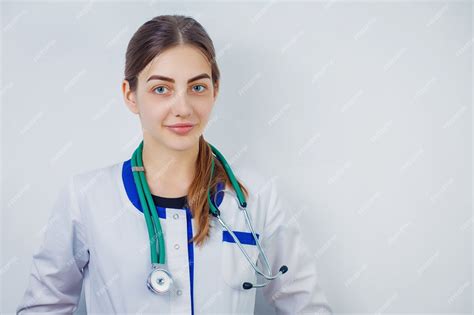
column 102, row 232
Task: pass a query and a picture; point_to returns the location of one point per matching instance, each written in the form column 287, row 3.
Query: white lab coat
column 97, row 237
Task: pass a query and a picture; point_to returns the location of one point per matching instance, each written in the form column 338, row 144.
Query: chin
column 181, row 144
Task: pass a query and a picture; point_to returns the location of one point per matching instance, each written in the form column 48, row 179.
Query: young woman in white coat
column 144, row 235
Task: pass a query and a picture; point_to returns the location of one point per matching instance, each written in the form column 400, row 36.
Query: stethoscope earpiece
column 248, row 285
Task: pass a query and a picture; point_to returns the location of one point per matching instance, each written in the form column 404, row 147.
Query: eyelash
column 153, row 90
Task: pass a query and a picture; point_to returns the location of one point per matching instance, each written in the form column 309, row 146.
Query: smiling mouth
column 181, row 130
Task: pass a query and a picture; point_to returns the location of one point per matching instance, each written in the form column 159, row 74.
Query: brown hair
column 152, row 38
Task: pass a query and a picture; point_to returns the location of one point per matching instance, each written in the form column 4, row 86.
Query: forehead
column 180, row 63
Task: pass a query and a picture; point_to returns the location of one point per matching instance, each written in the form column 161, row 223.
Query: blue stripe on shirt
column 243, row 237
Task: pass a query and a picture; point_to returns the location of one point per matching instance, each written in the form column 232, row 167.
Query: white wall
column 362, row 110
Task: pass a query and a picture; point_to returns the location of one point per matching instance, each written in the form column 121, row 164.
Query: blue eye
column 200, row 86
column 160, row 88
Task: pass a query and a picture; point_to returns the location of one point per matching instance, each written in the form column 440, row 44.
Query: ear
column 216, row 89
column 129, row 97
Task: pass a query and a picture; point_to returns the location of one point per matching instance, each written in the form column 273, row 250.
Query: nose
column 180, row 105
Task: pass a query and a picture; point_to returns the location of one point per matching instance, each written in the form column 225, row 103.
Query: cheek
column 204, row 115
column 152, row 112
column 204, row 109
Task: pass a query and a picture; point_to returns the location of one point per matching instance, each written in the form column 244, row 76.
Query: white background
column 361, row 110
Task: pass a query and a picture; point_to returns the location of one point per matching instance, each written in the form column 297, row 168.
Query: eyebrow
column 160, row 77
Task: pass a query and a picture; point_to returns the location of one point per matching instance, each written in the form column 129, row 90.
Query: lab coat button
column 175, row 216
column 176, row 246
column 179, row 292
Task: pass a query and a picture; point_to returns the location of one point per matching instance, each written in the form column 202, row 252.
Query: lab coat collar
column 132, row 193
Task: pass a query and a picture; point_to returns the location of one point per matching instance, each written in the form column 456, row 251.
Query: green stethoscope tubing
column 153, row 222
column 147, row 203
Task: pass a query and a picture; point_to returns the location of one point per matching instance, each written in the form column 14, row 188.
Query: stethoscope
column 160, row 279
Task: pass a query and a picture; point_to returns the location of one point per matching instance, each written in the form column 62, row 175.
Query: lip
column 181, row 125
column 181, row 128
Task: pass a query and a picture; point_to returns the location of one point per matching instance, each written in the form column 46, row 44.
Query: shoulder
column 84, row 180
column 251, row 177
column 260, row 184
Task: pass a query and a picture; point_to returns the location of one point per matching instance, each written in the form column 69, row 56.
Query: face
column 175, row 87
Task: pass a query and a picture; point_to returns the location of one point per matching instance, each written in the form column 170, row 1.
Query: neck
column 169, row 173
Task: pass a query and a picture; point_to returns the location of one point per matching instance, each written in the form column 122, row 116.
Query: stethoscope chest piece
column 159, row 280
